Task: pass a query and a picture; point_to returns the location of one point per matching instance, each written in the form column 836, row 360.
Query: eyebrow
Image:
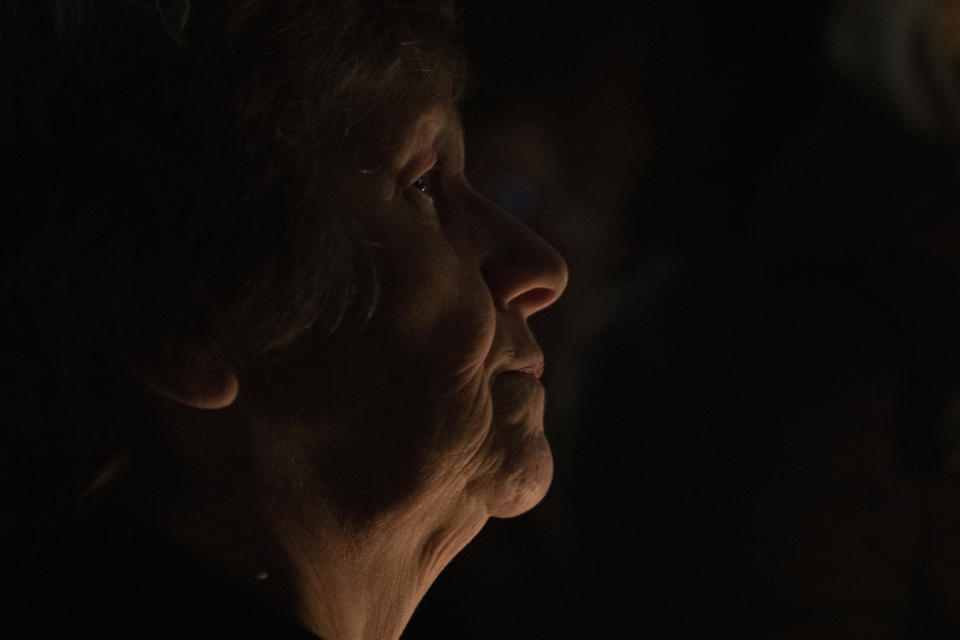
column 422, row 137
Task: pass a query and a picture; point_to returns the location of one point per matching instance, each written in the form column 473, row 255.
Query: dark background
column 650, row 141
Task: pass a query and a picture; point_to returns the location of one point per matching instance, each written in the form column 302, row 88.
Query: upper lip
column 519, row 353
column 533, row 368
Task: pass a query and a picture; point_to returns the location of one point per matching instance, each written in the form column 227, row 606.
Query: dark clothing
column 129, row 583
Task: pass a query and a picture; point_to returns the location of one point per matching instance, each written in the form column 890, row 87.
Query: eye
column 420, row 184
column 428, row 182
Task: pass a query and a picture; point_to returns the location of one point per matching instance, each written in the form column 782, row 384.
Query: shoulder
column 131, row 582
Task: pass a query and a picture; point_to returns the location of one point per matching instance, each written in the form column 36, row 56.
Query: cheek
column 429, row 343
column 459, row 427
column 436, row 318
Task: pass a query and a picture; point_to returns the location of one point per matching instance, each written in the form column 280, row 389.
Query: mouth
column 534, row 367
column 517, row 380
column 527, row 365
column 519, row 354
column 518, row 396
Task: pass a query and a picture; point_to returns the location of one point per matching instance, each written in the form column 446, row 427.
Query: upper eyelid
column 417, row 167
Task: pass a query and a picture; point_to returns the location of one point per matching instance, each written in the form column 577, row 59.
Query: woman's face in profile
column 438, row 401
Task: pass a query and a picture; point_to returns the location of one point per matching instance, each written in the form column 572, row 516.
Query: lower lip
column 514, row 390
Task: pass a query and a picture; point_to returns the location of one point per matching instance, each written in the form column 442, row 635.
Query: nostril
column 526, row 274
column 536, row 299
column 523, row 271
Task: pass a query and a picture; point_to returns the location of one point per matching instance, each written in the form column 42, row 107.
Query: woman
column 258, row 318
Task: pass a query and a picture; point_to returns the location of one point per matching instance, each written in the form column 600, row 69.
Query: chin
column 526, row 481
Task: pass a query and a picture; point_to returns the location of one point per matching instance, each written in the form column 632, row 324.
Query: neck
column 366, row 584
column 340, row 581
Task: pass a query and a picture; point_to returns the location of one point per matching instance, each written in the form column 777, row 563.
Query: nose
column 523, row 271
